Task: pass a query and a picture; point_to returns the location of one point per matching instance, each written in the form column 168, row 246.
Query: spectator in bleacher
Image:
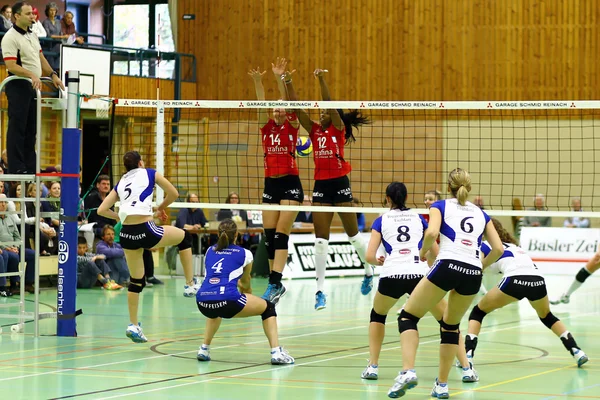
column 576, row 222
column 93, row 201
column 535, row 221
column 52, row 204
column 305, row 217
column 191, row 219
column 9, row 232
column 24, row 58
column 68, row 29
column 4, row 162
column 6, row 18
column 48, row 236
column 36, row 26
column 115, row 256
column 92, row 268
column 54, row 31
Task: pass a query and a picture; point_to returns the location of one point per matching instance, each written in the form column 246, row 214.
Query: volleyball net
column 513, row 150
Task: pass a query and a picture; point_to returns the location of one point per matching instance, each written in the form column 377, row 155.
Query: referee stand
column 23, row 316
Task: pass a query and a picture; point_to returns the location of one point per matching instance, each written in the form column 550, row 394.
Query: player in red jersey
column 332, row 186
column 282, row 183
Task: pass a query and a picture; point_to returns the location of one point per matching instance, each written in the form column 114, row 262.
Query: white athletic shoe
column 563, row 299
column 469, row 374
column 134, row 332
column 405, row 380
column 370, row 373
column 580, row 357
column 280, row 357
column 203, row 354
column 440, row 390
column 191, row 290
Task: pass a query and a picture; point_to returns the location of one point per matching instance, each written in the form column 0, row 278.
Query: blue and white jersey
column 402, row 237
column 223, row 271
column 514, row 261
column 135, row 192
column 461, row 231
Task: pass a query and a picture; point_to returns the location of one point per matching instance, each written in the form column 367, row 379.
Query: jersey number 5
column 127, row 190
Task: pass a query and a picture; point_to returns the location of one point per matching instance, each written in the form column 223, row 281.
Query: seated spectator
column 5, row 18
column 52, row 204
column 192, row 219
column 36, row 26
column 517, row 221
column 48, row 235
column 115, row 256
column 232, row 198
column 53, row 30
column 68, row 29
column 9, row 232
column 576, row 222
column 92, row 268
column 478, row 201
column 535, row 221
column 93, row 201
column 305, row 217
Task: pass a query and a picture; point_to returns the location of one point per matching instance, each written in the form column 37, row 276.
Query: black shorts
column 140, row 236
column 398, row 285
column 462, row 277
column 524, row 286
column 333, row 191
column 287, row 187
column 222, row 308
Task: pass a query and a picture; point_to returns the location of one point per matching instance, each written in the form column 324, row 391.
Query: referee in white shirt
column 23, row 57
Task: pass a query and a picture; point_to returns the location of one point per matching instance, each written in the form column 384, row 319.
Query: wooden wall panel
column 399, row 50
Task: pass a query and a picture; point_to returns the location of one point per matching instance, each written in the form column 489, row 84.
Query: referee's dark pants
column 20, row 138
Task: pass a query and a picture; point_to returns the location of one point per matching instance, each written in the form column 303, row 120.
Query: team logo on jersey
column 317, row 194
column 404, row 251
column 214, row 281
column 466, row 242
column 267, row 196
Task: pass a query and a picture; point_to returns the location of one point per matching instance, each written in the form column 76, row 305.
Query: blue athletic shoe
column 320, row 301
column 134, row 332
column 367, row 285
column 274, row 293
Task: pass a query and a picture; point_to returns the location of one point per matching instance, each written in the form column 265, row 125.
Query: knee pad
column 321, row 246
column 449, row 337
column 549, row 320
column 448, row 327
column 377, row 317
column 269, row 312
column 270, row 243
column 281, row 241
column 186, row 243
column 136, row 285
column 407, row 321
column 477, row 314
column 582, row 275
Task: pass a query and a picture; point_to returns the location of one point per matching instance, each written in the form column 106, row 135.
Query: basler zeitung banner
column 560, row 244
column 342, row 258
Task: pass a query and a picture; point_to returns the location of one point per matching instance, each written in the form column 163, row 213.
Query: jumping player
column 401, row 231
column 282, row 184
column 139, row 231
column 521, row 280
column 457, row 270
column 332, row 186
column 228, row 268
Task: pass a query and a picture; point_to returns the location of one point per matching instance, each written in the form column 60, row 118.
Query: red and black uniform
column 332, row 185
column 281, row 170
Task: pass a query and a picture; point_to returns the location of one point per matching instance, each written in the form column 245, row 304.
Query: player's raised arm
column 303, row 117
column 336, row 120
column 256, row 76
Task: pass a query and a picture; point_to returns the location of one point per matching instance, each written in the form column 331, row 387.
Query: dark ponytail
column 131, row 160
column 397, row 193
column 227, row 231
column 352, row 119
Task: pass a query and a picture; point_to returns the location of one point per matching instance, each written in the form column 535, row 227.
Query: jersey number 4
column 218, row 266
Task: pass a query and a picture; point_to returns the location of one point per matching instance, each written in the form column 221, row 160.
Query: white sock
column 472, row 336
column 574, row 286
column 564, row 335
column 321, row 249
column 275, row 350
column 361, row 248
column 205, row 346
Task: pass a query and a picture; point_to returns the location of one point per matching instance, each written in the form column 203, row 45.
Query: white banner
column 342, row 261
column 560, row 244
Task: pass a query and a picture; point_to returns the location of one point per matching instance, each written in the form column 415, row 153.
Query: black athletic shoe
column 153, row 280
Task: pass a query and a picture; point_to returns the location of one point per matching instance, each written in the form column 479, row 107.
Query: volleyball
column 304, row 146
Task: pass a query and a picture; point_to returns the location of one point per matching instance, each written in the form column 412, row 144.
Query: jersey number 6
column 466, row 226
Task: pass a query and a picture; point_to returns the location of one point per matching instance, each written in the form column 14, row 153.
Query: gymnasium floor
column 517, row 355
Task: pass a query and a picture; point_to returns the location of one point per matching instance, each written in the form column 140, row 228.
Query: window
column 164, row 39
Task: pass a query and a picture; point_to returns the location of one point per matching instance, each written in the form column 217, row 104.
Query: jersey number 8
column 403, row 234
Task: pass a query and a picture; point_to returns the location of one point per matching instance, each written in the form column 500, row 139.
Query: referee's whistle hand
column 36, row 83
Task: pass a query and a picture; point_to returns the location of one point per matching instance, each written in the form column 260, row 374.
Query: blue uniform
column 223, row 271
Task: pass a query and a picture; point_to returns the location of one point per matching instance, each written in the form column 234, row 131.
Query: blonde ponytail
column 459, row 182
